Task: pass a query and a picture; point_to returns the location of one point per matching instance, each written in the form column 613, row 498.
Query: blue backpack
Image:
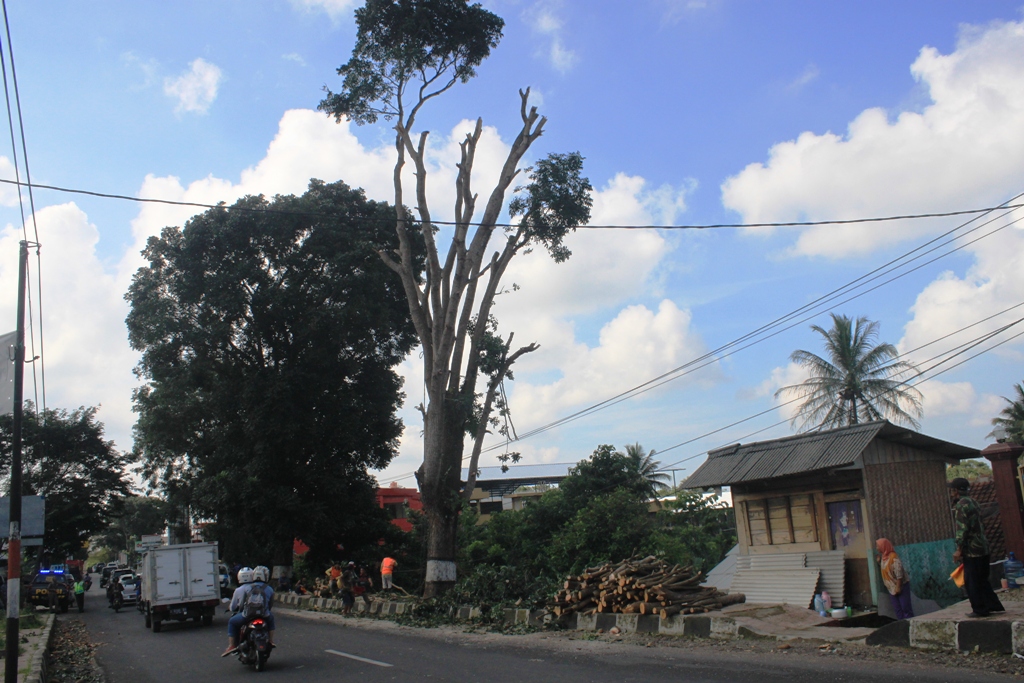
column 255, row 604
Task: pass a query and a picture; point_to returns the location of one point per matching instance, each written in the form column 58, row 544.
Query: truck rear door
column 203, row 582
column 169, row 572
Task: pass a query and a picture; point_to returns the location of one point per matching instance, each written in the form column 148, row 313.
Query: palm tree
column 647, row 467
column 1013, row 416
column 857, row 381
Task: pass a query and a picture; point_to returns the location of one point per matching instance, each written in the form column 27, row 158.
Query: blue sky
column 687, row 111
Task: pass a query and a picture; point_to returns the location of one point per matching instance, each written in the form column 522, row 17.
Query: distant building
column 397, row 501
column 496, row 491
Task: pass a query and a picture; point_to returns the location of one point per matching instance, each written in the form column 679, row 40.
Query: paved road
column 319, row 649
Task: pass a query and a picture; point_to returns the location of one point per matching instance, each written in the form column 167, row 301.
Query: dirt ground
column 72, row 658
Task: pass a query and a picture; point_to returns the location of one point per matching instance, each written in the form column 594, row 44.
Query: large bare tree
column 407, row 53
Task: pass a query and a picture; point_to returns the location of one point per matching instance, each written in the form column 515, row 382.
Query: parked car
column 129, row 587
column 225, row 580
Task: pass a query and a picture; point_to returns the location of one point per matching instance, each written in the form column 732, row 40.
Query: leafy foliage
column 857, row 381
column 601, row 512
column 269, row 336
column 557, row 199
column 968, row 469
column 82, row 476
column 1011, row 417
column 138, row 515
column 398, row 41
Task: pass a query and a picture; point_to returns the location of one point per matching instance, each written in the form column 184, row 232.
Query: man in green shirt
column 973, row 551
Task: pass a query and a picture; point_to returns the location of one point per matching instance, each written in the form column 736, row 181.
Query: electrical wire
column 32, row 209
column 693, row 226
column 964, row 348
column 758, row 335
column 21, row 205
column 959, row 349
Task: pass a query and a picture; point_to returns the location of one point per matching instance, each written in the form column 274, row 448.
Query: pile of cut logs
column 639, row 586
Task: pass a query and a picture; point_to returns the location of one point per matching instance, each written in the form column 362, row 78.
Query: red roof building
column 398, row 501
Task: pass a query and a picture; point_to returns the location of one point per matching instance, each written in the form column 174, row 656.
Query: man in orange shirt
column 387, row 569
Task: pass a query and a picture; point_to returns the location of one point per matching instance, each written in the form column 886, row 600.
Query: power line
column 963, row 349
column 693, row 226
column 959, row 349
column 758, row 335
column 21, row 204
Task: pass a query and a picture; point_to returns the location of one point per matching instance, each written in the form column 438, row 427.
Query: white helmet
column 244, row 576
column 261, row 573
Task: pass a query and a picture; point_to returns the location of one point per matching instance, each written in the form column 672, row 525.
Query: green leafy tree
column 856, row 381
column 269, row 334
column 968, row 469
column 138, row 516
column 1011, row 417
column 82, row 476
column 407, row 53
column 647, row 467
column 603, row 472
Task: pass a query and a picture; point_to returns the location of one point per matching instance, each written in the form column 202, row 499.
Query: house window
column 396, row 510
column 490, row 507
column 781, row 520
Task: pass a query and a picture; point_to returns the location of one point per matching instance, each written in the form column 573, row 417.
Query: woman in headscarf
column 895, row 578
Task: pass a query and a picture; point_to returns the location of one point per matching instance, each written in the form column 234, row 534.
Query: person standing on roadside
column 387, row 570
column 895, row 578
column 348, row 585
column 80, row 594
column 973, row 551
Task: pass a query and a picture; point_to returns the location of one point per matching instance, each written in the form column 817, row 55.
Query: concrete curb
column 32, row 666
column 691, row 625
column 1002, row 637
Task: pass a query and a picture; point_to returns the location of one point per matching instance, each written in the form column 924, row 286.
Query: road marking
column 358, row 659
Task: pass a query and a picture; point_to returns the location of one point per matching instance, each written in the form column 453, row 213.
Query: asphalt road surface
column 321, row 648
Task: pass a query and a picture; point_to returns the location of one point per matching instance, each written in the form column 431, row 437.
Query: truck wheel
column 156, row 626
column 207, row 619
column 149, row 619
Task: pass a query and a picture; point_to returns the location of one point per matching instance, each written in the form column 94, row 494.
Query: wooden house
column 823, row 498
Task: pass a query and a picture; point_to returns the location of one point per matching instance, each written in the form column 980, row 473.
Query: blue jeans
column 235, row 623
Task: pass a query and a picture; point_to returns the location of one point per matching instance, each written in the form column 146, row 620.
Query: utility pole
column 14, row 539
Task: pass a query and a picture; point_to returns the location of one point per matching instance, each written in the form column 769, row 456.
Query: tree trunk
column 440, row 478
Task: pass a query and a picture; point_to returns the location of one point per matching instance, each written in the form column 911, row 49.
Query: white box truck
column 179, row 582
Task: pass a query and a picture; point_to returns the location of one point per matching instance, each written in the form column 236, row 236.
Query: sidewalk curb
column 1001, row 637
column 691, row 625
column 32, row 667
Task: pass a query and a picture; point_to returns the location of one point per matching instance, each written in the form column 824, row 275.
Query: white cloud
column 195, row 89
column 806, row 77
column 88, row 360
column 964, row 150
column 335, row 9
column 635, row 346
column 294, row 57
column 947, row 398
column 148, row 67
column 786, row 376
column 547, row 23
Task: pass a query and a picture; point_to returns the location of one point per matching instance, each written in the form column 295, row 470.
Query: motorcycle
column 117, row 602
column 254, row 643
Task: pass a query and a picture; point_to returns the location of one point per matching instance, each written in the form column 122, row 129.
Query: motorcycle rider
column 244, row 579
column 255, row 579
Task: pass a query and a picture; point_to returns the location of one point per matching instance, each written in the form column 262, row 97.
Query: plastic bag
column 958, row 576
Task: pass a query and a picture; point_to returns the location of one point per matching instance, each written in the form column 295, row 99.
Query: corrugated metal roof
column 773, row 561
column 832, row 564
column 777, row 586
column 810, row 452
column 782, row 457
